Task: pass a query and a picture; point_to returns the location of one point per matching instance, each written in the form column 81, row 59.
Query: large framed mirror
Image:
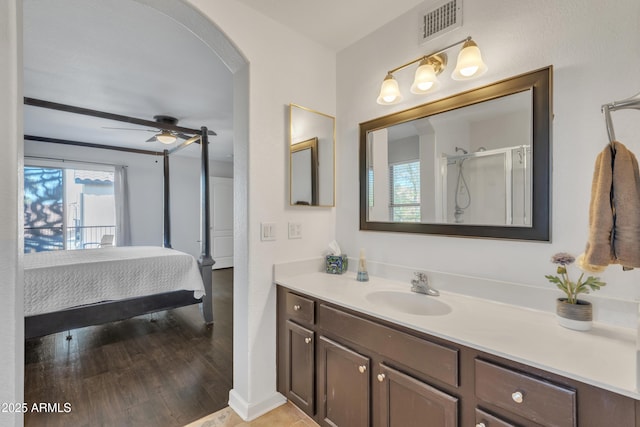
column 476, row 164
column 311, row 157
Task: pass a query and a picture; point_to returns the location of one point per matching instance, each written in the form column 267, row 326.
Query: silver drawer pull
column 307, row 340
column 481, row 425
column 517, row 397
column 362, row 369
column 297, row 307
column 380, row 377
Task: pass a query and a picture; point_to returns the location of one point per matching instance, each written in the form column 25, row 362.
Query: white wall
column 284, row 68
column 11, row 247
column 145, row 178
column 594, row 48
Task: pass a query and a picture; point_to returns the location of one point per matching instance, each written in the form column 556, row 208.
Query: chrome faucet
column 420, row 284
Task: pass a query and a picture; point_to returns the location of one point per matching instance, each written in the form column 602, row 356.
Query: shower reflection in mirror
column 487, row 186
column 468, row 166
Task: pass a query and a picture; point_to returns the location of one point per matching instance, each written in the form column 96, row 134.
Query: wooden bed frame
column 104, row 312
column 110, row 311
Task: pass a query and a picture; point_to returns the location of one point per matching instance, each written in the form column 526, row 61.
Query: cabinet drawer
column 532, row 398
column 300, row 308
column 484, row 419
column 423, row 356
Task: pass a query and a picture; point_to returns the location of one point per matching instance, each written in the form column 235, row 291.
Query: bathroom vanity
column 375, row 354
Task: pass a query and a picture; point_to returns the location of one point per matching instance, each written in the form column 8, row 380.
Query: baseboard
column 249, row 412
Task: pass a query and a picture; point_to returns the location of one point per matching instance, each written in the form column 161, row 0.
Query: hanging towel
column 614, row 211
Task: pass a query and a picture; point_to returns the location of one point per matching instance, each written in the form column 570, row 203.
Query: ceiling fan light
column 166, row 137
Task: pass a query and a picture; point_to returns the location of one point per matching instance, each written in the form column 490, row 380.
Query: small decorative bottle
column 362, row 276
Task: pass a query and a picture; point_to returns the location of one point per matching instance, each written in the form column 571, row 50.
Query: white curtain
column 121, row 190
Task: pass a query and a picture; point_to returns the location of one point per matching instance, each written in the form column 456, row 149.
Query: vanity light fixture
column 468, row 66
column 389, row 92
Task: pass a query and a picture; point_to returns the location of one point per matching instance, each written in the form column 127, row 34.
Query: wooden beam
column 166, row 203
column 205, row 261
column 109, row 116
column 90, row 145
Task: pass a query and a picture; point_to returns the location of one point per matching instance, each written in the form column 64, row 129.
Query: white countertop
column 604, row 357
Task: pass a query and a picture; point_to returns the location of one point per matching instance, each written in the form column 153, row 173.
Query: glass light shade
column 389, row 91
column 166, row 137
column 470, row 64
column 425, row 80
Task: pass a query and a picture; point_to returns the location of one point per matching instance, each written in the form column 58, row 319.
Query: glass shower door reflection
column 489, row 187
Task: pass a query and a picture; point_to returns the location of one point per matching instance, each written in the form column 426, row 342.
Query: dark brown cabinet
column 424, row 357
column 348, row 369
column 343, row 385
column 484, row 419
column 297, row 350
column 336, row 350
column 300, row 309
column 300, row 363
column 407, row 402
column 536, row 400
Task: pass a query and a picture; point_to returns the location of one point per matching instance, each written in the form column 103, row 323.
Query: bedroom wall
column 145, row 176
column 12, row 330
column 594, row 49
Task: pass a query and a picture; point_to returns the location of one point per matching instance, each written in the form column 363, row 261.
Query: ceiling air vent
column 441, row 19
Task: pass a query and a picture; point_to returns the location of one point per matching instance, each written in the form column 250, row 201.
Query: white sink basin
column 409, row 303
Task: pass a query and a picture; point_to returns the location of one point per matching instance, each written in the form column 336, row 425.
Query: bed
column 81, row 272
column 64, row 290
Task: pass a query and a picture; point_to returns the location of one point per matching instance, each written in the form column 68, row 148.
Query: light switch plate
column 267, row 231
column 295, row 230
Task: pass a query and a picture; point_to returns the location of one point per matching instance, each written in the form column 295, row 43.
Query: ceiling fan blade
column 191, row 140
column 144, row 130
column 182, row 136
column 152, row 139
column 211, row 132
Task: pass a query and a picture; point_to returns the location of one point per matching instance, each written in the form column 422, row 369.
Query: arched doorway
column 221, row 46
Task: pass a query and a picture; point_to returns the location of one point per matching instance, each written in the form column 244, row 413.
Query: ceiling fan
column 164, row 136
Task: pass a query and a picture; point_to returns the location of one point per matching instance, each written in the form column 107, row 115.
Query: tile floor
column 286, row 415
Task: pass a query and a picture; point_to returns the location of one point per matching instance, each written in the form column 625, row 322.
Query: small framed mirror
column 311, row 157
column 475, row 164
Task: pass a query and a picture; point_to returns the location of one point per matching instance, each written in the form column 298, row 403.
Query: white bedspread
column 62, row 279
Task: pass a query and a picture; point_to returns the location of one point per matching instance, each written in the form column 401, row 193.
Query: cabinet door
column 300, row 363
column 343, row 386
column 407, row 402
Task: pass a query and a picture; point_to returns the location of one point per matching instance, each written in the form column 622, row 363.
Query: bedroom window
column 404, row 180
column 67, row 208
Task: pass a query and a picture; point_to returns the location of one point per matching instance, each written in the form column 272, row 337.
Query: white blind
column 404, row 188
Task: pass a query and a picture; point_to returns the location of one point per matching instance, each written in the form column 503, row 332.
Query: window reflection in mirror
column 474, row 164
column 311, row 157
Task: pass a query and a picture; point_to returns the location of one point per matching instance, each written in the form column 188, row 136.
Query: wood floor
column 166, row 369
